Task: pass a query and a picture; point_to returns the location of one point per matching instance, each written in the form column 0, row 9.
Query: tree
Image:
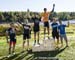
column 2, row 17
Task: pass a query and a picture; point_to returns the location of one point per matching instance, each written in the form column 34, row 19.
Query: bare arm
column 7, row 36
column 51, row 13
column 19, row 23
column 53, row 8
column 68, row 24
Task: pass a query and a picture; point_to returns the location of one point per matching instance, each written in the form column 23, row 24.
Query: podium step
column 47, row 45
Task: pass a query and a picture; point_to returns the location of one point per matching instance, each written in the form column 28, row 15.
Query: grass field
column 63, row 53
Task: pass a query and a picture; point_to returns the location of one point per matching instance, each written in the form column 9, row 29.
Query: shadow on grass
column 13, row 56
column 48, row 53
column 22, row 55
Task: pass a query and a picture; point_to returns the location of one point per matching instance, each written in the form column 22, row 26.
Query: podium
column 47, row 45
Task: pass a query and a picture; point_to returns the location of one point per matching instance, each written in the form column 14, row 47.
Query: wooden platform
column 47, row 45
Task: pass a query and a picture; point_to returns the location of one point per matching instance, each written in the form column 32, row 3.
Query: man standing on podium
column 45, row 19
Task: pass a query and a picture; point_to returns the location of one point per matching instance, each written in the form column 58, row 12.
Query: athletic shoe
column 14, row 53
column 8, row 55
column 34, row 44
column 48, row 37
column 67, row 46
column 38, row 43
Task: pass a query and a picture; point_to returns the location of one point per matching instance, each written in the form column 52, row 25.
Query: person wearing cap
column 45, row 19
column 11, row 37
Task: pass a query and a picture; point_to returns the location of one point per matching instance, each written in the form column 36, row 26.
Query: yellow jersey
column 45, row 17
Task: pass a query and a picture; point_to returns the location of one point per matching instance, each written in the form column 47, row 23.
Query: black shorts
column 46, row 24
column 26, row 36
column 55, row 34
column 13, row 40
column 36, row 29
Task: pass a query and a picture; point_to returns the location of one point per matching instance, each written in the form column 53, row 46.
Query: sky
column 37, row 5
